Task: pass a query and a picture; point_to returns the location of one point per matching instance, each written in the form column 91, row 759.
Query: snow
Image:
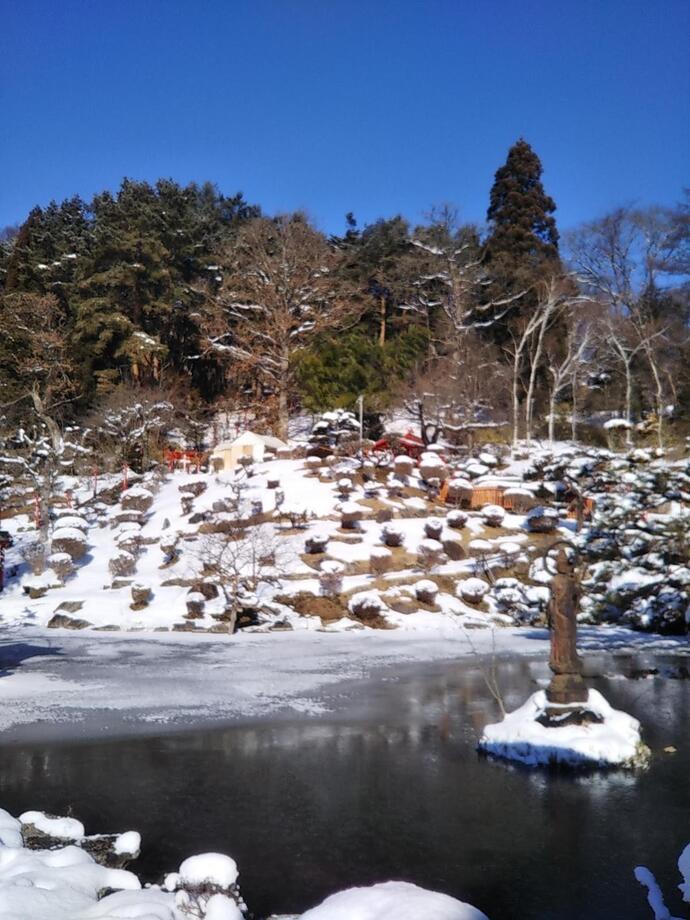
column 615, row 741
column 128, row 843
column 213, row 868
column 392, row 901
column 69, row 828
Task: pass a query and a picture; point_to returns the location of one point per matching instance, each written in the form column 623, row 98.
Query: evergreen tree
column 522, row 246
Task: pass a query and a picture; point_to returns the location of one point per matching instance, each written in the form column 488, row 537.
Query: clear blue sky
column 371, row 106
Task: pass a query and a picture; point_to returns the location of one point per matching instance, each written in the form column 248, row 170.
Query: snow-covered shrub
column 430, row 554
column 205, row 886
column 426, row 591
column 122, row 564
column 169, row 547
column 34, row 554
column 480, row 547
column 193, row 487
column 141, row 594
column 345, row 487
column 391, row 535
column 542, row 519
column 331, row 577
column 453, row 547
column 472, row 590
column 316, row 543
column 433, row 528
column 61, row 564
column 394, row 486
column 521, row 500
column 432, row 467
column 403, row 466
column 380, row 559
column 313, row 463
column 365, row 605
column 493, row 515
column 186, row 503
column 459, row 491
column 71, row 520
column 350, row 515
column 456, row 519
column 137, row 499
column 334, row 428
column 195, row 602
column 69, row 540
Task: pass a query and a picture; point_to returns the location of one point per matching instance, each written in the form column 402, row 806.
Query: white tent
column 225, row 456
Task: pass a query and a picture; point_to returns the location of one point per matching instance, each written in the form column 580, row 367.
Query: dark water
column 390, row 786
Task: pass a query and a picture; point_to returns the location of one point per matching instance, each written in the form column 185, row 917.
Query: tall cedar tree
column 522, row 246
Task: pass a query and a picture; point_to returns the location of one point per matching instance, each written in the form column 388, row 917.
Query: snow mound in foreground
column 392, row 901
column 615, row 741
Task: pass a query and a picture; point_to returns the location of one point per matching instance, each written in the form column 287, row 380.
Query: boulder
column 61, row 621
column 542, row 520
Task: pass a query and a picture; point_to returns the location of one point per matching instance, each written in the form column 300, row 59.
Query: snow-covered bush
column 365, row 605
column 391, row 535
column 350, row 515
column 456, row 519
column 61, row 564
column 193, row 487
column 426, row 591
column 331, row 577
column 122, row 564
column 403, row 466
column 137, row 499
column 34, row 554
column 493, row 515
column 69, row 540
column 380, row 559
column 195, row 602
column 316, row 543
column 542, row 519
column 472, row 590
column 430, row 554
column 433, row 528
column 141, row 594
column 432, row 468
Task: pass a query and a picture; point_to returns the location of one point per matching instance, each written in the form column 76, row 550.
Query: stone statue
column 567, row 686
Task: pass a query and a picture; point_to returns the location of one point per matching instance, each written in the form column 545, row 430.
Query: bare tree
column 241, row 559
column 563, row 362
column 280, row 289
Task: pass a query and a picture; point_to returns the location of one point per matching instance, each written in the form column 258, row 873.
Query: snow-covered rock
column 615, row 740
column 392, row 901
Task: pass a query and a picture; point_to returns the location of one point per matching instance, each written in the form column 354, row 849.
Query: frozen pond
column 386, row 784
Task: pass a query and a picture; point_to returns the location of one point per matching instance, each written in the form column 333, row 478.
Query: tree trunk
column 516, row 400
column 628, row 403
column 573, row 414
column 382, row 322
column 552, row 412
